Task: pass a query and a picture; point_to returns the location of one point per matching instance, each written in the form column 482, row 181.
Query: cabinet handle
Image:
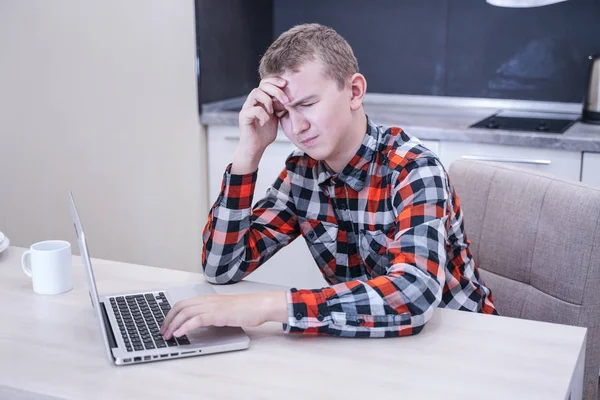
column 277, row 139
column 508, row 160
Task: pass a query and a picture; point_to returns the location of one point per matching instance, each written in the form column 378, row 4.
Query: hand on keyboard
column 245, row 310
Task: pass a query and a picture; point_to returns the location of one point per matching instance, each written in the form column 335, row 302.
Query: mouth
column 308, row 142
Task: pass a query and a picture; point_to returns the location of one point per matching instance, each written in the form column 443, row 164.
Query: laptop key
column 160, row 344
column 138, row 347
column 149, row 346
column 129, row 348
column 183, row 340
column 171, row 343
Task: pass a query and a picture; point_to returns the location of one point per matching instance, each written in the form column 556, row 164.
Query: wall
column 464, row 48
column 100, row 98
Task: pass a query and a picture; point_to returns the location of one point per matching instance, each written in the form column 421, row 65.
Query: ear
column 358, row 88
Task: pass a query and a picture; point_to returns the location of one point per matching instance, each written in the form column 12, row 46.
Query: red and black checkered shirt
column 386, row 232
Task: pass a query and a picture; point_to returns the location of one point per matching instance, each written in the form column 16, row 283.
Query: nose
column 298, row 122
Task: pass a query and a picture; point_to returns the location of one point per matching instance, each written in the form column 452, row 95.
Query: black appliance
column 525, row 121
column 591, row 104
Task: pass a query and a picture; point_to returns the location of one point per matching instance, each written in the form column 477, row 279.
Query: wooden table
column 50, row 347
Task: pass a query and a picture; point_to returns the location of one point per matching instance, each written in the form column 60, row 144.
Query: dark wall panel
column 462, row 47
column 400, row 47
column 428, row 47
column 533, row 54
column 231, row 36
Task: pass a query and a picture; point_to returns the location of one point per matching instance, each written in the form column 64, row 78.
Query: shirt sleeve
column 238, row 238
column 401, row 302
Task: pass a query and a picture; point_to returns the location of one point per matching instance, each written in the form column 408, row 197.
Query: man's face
column 318, row 114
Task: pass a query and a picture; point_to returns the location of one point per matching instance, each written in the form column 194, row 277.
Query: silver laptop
column 130, row 323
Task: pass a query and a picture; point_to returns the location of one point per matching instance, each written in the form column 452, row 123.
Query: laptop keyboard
column 140, row 317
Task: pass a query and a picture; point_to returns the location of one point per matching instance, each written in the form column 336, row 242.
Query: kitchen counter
column 448, row 118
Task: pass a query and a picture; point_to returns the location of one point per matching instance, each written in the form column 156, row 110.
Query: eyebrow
column 302, row 100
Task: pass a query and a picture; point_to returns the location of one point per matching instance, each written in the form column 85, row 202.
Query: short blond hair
column 310, row 42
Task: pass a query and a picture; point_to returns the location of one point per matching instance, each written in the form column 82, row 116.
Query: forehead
column 308, row 79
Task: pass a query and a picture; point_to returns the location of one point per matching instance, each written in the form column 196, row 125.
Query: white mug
column 49, row 265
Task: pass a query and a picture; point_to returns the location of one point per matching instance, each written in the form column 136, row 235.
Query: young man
column 375, row 207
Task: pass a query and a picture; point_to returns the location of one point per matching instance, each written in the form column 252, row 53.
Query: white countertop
column 446, row 118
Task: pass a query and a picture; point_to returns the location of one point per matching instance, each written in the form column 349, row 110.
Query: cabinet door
column 561, row 163
column 590, row 174
column 222, row 141
column 292, row 266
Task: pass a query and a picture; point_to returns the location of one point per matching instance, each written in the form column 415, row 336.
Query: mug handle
column 25, row 264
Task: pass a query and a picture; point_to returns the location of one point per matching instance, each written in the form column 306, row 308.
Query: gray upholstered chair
column 536, row 239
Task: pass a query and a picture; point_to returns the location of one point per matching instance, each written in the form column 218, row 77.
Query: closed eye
column 308, row 105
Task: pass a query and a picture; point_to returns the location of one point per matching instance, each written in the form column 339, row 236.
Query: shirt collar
column 355, row 172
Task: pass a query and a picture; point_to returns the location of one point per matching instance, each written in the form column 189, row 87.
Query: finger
column 248, row 116
column 261, row 98
column 189, row 325
column 180, row 305
column 169, row 317
column 275, row 80
column 257, row 96
column 183, row 316
column 274, row 91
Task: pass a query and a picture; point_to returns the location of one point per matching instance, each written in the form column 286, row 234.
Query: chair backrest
column 536, row 240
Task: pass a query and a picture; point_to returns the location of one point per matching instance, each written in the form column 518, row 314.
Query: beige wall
column 100, row 98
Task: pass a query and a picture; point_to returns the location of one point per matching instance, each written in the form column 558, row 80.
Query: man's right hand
column 258, row 124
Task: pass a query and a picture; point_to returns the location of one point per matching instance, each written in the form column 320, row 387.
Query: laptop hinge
column 109, row 333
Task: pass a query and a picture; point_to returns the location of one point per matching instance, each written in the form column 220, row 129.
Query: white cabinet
column 432, row 145
column 222, row 141
column 590, row 171
column 561, row 163
column 293, row 265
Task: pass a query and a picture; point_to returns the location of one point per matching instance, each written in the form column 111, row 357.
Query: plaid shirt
column 386, row 232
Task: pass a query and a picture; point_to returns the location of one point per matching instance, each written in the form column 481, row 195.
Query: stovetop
column 541, row 122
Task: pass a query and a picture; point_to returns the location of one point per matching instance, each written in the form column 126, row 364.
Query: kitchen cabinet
column 590, row 170
column 432, row 145
column 293, row 265
column 561, row 163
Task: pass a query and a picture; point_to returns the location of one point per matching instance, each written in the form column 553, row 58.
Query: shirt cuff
column 237, row 190
column 308, row 312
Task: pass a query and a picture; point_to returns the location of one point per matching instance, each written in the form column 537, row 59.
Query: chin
column 317, row 154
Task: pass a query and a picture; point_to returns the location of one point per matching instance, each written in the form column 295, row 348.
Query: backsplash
column 465, row 48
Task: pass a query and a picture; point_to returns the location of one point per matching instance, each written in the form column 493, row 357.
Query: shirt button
column 361, row 321
column 299, row 316
column 320, row 317
column 311, row 235
column 342, row 206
